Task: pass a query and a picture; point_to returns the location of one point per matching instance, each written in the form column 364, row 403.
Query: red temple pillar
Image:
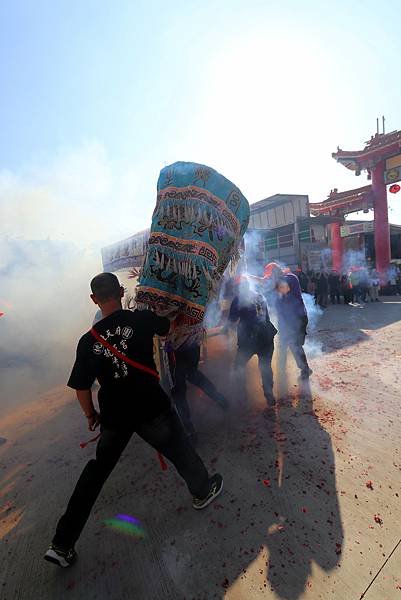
column 382, row 230
column 336, row 246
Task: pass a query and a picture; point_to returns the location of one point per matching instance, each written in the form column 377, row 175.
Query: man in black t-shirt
column 118, row 352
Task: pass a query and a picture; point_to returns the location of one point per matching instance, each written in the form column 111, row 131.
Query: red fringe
column 163, row 463
column 94, row 439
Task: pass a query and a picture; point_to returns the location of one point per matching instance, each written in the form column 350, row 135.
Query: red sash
column 133, row 364
column 122, row 356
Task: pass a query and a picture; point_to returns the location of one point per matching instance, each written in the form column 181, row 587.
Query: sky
column 96, row 97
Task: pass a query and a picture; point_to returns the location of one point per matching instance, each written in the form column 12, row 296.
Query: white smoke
column 77, row 195
column 45, row 299
column 55, row 216
column 313, row 347
column 354, row 258
column 314, row 312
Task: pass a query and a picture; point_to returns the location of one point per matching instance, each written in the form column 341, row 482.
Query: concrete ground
column 311, row 506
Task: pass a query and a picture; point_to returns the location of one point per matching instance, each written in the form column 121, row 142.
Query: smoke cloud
column 354, row 258
column 312, row 347
column 77, row 195
column 55, row 216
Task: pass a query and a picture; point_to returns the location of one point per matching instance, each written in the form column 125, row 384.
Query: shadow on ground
column 278, row 516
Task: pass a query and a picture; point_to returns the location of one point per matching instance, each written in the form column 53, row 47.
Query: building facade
column 282, row 230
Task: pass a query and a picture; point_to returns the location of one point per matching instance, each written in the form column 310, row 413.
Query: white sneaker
column 59, row 556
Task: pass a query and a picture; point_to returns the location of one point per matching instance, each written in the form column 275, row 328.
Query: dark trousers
column 294, row 343
column 356, row 291
column 186, row 369
column 348, row 297
column 165, row 434
column 322, row 299
column 335, row 295
column 265, row 355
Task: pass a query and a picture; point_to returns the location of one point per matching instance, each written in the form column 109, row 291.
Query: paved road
column 311, row 507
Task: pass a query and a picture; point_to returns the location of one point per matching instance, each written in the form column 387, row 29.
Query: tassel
column 94, row 439
column 163, row 463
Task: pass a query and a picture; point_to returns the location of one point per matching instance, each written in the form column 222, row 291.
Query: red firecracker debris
column 266, row 482
column 304, row 509
column 369, row 485
column 378, row 519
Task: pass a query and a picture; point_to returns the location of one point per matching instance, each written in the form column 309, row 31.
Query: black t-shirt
column 126, row 394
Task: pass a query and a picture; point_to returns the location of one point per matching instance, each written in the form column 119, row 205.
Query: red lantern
column 394, row 189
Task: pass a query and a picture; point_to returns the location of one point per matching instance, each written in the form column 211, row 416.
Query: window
column 304, row 234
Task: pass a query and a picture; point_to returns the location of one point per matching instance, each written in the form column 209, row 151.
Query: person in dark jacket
column 346, row 289
column 334, row 287
column 255, row 335
column 354, row 279
column 322, row 289
column 303, row 280
column 292, row 321
column 364, row 284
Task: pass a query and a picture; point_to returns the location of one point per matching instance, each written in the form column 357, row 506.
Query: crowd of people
column 355, row 285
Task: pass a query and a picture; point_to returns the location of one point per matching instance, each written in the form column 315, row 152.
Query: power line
column 381, row 568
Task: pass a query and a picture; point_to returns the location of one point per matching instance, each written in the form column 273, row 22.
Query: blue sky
column 96, row 97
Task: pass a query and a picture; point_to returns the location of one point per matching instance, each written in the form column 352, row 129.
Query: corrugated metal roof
column 276, row 200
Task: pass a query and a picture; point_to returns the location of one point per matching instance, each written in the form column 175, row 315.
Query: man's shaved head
column 106, row 286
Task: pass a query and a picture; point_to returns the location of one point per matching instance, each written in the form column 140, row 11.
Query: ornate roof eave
column 340, row 202
column 380, row 146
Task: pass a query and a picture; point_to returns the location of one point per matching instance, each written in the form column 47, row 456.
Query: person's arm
column 81, row 380
column 86, row 402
